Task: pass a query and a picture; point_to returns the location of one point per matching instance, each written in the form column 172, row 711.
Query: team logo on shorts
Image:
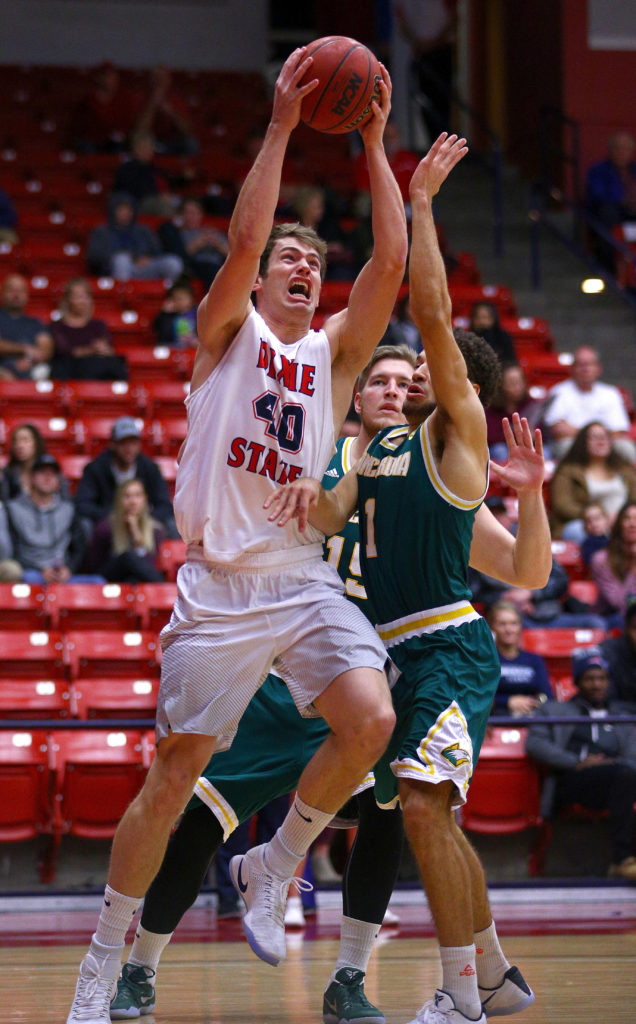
column 455, row 755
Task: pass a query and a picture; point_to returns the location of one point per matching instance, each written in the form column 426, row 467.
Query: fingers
column 287, row 503
column 538, row 441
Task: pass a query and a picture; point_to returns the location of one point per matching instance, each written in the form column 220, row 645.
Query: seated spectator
column 592, row 763
column 10, row 570
column 582, row 399
column 484, row 321
column 552, row 607
column 26, row 445
column 614, row 567
column 512, row 396
column 201, row 248
column 597, row 526
column 46, row 533
column 620, row 654
column 104, row 117
column 25, row 344
column 125, row 545
column 312, row 209
column 524, row 682
column 121, row 462
column 8, row 219
column 591, row 470
column 402, row 330
column 610, row 191
column 145, row 182
column 123, row 249
column 176, row 324
column 82, row 344
column 166, row 116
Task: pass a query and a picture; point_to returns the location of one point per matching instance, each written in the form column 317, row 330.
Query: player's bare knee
column 425, row 807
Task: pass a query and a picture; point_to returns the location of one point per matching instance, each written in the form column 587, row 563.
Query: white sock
column 116, row 917
column 357, row 939
column 102, row 951
column 491, row 962
column 302, row 825
column 459, row 978
column 148, row 947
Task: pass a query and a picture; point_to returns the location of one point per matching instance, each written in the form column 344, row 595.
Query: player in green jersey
column 418, row 491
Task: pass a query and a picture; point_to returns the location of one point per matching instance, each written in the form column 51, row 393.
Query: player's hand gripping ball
column 349, row 79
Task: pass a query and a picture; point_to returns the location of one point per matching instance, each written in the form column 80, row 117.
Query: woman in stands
column 512, row 397
column 484, row 321
column 614, row 567
column 124, row 547
column 524, row 682
column 590, row 471
column 26, row 444
column 83, row 348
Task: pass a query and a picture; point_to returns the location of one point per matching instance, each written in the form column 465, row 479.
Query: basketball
column 348, row 76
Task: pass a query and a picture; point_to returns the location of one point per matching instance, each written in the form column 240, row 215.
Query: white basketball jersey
column 262, row 418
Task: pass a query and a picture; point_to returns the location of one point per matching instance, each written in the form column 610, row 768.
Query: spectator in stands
column 591, row 470
column 430, row 29
column 201, row 248
column 82, row 344
column 146, row 182
column 597, row 526
column 166, row 116
column 610, row 191
column 8, row 219
column 25, row 344
column 26, row 445
column 176, row 324
column 524, row 682
column 125, row 545
column 620, row 654
column 121, row 462
column 402, row 330
column 484, row 321
column 614, row 567
column 512, row 397
column 592, row 763
column 551, row 607
column 104, row 118
column 10, row 570
column 583, row 398
column 46, row 533
column 312, row 209
column 124, row 249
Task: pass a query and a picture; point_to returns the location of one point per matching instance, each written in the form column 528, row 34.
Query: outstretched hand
column 288, row 93
column 435, row 167
column 372, row 130
column 293, row 501
column 525, row 469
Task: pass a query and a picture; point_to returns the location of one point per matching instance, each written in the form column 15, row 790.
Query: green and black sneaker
column 135, row 995
column 344, row 1001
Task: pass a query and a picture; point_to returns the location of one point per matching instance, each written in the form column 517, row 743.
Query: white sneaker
column 442, row 1010
column 390, row 918
column 96, row 986
column 265, row 896
column 511, row 995
column 294, row 914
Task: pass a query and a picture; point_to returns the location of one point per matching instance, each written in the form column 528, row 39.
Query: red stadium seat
column 556, row 646
column 503, row 795
column 72, row 467
column 35, row 698
column 115, row 698
column 23, row 605
column 59, row 433
column 568, row 554
column 35, row 654
column 170, row 434
column 32, row 398
column 110, row 398
column 155, row 602
column 164, row 398
column 172, row 554
column 584, row 590
column 74, row 606
column 25, row 807
column 99, row 654
column 168, row 466
column 159, row 363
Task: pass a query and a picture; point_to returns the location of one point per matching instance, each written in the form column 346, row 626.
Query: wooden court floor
column 576, row 978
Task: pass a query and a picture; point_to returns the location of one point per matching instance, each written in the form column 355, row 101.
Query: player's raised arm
column 224, row 308
column 430, row 300
column 524, row 560
column 355, row 331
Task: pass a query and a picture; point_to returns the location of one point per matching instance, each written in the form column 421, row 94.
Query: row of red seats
column 154, row 398
column 63, row 607
column 89, row 435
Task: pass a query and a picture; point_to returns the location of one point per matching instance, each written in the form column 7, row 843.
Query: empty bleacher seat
column 172, row 554
column 74, row 606
column 101, row 653
column 115, row 698
column 503, row 795
column 25, row 808
column 23, row 605
column 154, row 603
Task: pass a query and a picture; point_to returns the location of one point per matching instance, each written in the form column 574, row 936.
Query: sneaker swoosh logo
column 241, row 884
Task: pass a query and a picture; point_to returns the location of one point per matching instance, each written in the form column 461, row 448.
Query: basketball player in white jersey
column 267, row 400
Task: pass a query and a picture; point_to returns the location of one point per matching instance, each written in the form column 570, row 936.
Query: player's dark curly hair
column 482, row 364
column 304, row 234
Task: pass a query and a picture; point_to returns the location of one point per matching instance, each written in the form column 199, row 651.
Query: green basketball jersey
column 415, row 536
column 342, row 551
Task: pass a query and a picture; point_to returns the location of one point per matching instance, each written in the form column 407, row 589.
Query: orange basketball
column 348, row 76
